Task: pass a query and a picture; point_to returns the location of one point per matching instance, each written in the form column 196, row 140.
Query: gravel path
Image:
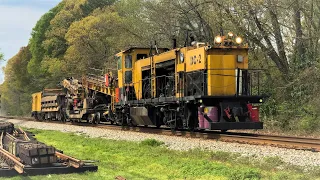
column 306, row 159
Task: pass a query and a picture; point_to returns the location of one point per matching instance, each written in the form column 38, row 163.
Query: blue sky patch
column 17, row 18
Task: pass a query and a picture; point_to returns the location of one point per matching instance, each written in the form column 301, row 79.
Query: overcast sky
column 17, row 18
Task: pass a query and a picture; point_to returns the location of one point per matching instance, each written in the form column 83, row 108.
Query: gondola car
column 49, row 104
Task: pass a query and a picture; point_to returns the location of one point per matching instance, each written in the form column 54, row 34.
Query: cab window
column 118, row 60
column 128, row 61
column 141, row 56
column 128, row 77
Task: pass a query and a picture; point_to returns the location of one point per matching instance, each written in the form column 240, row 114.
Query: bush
column 245, row 174
column 271, row 163
column 294, row 105
column 151, row 142
column 223, row 156
column 309, row 124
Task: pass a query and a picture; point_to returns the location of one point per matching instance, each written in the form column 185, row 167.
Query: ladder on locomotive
column 153, row 77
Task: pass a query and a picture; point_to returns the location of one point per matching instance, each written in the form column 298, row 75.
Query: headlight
column 218, row 39
column 239, row 40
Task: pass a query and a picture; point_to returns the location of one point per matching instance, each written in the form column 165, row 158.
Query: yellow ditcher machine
column 201, row 86
column 204, row 86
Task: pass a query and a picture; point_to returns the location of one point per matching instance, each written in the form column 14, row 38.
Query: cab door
column 128, row 70
column 119, row 61
column 128, row 77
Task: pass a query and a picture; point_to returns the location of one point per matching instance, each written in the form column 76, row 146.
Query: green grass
column 151, row 142
column 150, row 159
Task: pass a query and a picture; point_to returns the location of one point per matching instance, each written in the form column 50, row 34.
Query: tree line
column 75, row 36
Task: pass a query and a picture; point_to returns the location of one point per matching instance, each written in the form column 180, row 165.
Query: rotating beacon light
column 230, row 34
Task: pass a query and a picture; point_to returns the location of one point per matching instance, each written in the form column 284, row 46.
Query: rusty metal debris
column 11, row 161
column 70, row 160
column 21, row 155
column 24, row 134
column 120, row 178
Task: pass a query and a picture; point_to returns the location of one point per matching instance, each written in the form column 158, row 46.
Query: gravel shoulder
column 305, row 159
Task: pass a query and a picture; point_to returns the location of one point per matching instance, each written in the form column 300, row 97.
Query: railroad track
column 311, row 144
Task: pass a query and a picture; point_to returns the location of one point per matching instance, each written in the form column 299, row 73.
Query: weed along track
column 311, row 144
column 21, row 154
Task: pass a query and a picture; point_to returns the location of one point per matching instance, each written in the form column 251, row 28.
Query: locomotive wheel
column 172, row 124
column 191, row 116
column 64, row 118
column 97, row 118
column 72, row 121
column 120, row 119
column 119, row 122
column 169, row 123
column 58, row 116
column 90, row 118
column 39, row 117
column 123, row 121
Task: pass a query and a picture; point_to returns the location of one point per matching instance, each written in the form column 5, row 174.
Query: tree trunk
column 299, row 50
column 278, row 35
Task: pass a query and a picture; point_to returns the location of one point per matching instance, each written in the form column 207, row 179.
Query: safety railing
column 219, row 82
column 238, row 82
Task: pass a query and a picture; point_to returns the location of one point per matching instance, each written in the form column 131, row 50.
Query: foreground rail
column 11, row 161
column 311, row 144
column 70, row 160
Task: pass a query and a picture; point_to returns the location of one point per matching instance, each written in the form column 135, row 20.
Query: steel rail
column 11, row 161
column 71, row 161
column 24, row 134
column 290, row 142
